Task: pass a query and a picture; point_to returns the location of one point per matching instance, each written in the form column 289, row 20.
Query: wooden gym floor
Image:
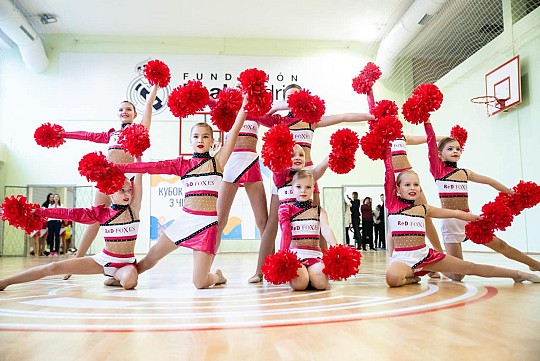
column 167, row 318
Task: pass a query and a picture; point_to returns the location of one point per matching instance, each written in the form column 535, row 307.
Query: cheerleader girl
column 116, row 154
column 120, row 224
column 443, row 166
column 196, row 225
column 303, row 135
column 411, row 257
column 283, row 184
column 301, row 224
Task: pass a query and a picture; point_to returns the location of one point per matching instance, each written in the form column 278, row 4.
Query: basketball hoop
column 493, row 104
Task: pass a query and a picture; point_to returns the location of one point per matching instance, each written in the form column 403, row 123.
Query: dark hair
column 444, row 141
column 291, row 86
column 133, row 105
column 46, row 203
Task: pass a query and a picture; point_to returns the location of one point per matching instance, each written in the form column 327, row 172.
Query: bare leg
column 257, row 199
column 42, row 245
column 454, row 249
column 163, row 247
column 85, row 265
column 268, row 238
column 453, row 264
column 227, row 192
column 202, row 278
column 35, row 244
column 317, row 201
column 399, row 274
column 91, row 231
column 316, row 276
column 301, row 282
column 127, row 276
column 500, row 246
column 431, row 233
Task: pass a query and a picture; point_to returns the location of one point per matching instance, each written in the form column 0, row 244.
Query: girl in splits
column 196, row 225
column 411, row 257
column 443, row 166
column 303, row 135
column 301, row 224
column 116, row 154
column 120, row 225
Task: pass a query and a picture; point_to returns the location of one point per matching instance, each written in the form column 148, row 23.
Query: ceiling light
column 47, row 19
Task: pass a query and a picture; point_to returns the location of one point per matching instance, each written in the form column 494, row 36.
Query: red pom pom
column 498, row 214
column 480, row 232
column 281, row 267
column 277, row 148
column 157, row 72
column 341, row 262
column 510, row 202
column 363, row 83
column 341, row 164
column 188, row 99
column 344, row 144
column 96, row 168
column 372, row 146
column 18, row 213
column 228, row 105
column 384, row 108
column 527, row 194
column 388, row 128
column 135, row 139
column 415, row 110
column 430, row 94
column 49, row 135
column 310, row 108
column 253, row 84
column 460, row 134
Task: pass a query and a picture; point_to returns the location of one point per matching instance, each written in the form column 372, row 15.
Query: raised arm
column 226, row 149
column 477, row 178
column 137, row 194
column 326, row 231
column 92, row 215
column 435, row 163
column 390, row 191
column 173, row 166
column 319, row 170
column 150, row 99
column 328, row 120
column 435, row 212
column 284, row 218
column 102, row 137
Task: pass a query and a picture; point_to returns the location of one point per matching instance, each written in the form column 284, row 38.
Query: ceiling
column 342, row 20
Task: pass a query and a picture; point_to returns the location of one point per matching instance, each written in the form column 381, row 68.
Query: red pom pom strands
column 341, row 262
column 426, row 98
column 344, row 144
column 188, row 99
column 277, row 148
column 49, row 135
column 253, row 84
column 363, row 83
column 229, row 101
column 460, row 134
column 135, row 139
column 310, row 108
column 281, row 267
column 377, row 141
column 430, row 95
column 157, row 73
column 96, row 168
column 480, row 232
column 19, row 214
column 384, row 108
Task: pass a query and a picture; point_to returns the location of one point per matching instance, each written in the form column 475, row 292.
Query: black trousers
column 367, row 234
column 53, row 236
column 356, row 228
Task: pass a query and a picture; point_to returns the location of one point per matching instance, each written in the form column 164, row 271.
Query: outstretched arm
column 419, row 139
column 328, row 120
column 150, row 99
column 173, row 166
column 102, row 137
column 92, row 215
column 435, row 212
column 477, row 178
column 227, row 148
column 319, row 170
column 326, row 231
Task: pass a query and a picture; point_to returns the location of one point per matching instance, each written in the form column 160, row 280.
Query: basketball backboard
column 504, row 85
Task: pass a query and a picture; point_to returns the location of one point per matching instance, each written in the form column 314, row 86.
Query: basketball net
column 491, row 103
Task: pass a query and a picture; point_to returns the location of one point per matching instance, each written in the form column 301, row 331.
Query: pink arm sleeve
column 285, row 224
column 266, row 120
column 92, row 215
column 280, row 178
column 161, row 167
column 370, row 100
column 212, row 103
column 435, row 163
column 92, row 137
column 390, row 196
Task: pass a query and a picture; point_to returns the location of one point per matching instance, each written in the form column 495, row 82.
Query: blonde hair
column 203, row 125
column 302, row 174
column 401, row 174
column 445, row 141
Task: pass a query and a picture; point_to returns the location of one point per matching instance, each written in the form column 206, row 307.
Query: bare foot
column 2, row 286
column 524, row 276
column 67, row 277
column 221, row 279
column 255, row 279
column 534, row 270
column 411, row 280
column 434, row 275
column 111, row 281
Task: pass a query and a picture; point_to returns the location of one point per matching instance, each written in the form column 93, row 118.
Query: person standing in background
column 367, row 224
column 355, row 218
column 53, row 228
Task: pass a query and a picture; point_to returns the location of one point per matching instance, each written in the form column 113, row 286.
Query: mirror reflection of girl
column 120, row 224
column 302, row 223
